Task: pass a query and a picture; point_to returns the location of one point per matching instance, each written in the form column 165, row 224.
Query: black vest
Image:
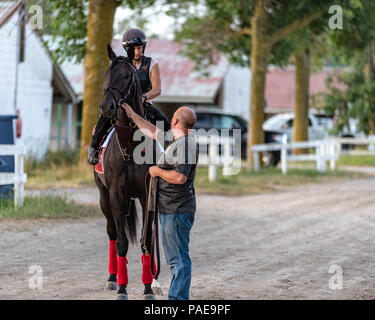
column 144, row 74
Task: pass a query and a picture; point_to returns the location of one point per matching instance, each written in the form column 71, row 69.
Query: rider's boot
column 93, row 156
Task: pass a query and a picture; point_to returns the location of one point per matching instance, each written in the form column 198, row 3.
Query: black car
column 217, row 119
column 208, row 118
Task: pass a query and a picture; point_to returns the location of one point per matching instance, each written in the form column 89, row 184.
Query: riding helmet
column 132, row 38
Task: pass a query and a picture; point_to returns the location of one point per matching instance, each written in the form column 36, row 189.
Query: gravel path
column 270, row 246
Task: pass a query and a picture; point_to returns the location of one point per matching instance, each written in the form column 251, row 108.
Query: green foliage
column 353, row 46
column 65, row 22
column 357, row 101
column 217, row 28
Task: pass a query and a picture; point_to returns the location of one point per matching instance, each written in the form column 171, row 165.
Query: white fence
column 327, row 150
column 353, row 142
column 18, row 178
column 216, row 151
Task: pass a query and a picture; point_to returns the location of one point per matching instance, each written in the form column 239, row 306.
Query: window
column 203, row 121
column 288, row 124
column 224, row 122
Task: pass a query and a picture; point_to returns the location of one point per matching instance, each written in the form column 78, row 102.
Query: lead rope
column 155, row 227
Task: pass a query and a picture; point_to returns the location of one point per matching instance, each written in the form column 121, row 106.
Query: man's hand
column 143, row 100
column 154, row 170
column 128, row 109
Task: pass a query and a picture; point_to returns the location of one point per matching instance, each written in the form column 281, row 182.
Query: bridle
column 114, row 119
column 124, row 95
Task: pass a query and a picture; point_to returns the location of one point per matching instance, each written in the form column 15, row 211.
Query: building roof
column 280, row 87
column 7, row 9
column 60, row 82
column 180, row 83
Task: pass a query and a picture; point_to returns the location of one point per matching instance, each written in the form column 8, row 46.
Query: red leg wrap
column 122, row 275
column 112, row 268
column 146, row 271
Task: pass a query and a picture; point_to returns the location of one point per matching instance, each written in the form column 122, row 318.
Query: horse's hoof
column 156, row 287
column 110, row 285
column 149, row 296
column 121, row 296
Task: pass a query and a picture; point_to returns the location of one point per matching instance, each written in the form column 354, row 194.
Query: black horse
column 124, row 180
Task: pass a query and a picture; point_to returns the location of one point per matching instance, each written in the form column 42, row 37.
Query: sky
column 159, row 23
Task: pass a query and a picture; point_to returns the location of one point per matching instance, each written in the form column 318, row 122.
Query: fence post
column 284, row 155
column 332, row 154
column 256, row 161
column 18, row 185
column 321, row 161
column 227, row 159
column 213, row 155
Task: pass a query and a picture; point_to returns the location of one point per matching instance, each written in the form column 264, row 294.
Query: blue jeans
column 175, row 235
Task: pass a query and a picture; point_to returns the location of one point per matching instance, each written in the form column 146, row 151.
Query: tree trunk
column 99, row 33
column 369, row 76
column 260, row 51
column 301, row 102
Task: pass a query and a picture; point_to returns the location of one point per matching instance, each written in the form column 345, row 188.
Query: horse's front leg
column 112, row 235
column 122, row 244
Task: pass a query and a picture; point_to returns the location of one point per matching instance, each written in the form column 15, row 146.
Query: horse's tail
column 131, row 218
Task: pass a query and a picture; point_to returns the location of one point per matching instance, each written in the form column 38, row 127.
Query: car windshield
column 242, row 121
column 274, row 122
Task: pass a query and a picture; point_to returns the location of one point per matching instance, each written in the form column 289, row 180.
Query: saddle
column 99, row 168
column 123, row 141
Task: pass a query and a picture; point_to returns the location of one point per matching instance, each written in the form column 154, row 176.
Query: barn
column 30, row 81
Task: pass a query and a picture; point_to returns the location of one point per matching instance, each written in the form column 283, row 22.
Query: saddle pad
column 99, row 168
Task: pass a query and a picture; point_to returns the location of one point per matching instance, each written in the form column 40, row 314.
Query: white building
column 29, row 80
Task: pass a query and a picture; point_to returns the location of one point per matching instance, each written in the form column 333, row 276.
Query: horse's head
column 122, row 85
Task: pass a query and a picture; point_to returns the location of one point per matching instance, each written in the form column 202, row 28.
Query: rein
column 152, row 190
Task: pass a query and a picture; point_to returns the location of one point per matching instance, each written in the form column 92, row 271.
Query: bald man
column 176, row 195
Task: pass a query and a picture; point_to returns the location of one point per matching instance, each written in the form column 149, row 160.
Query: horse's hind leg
column 147, row 278
column 112, row 265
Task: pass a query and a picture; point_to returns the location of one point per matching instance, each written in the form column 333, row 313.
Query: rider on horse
column 134, row 42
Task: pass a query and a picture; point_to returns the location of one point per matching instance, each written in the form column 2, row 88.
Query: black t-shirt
column 182, row 156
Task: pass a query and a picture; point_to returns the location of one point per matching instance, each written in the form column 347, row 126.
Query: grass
column 46, row 206
column 63, row 170
column 359, row 160
column 58, row 170
column 266, row 180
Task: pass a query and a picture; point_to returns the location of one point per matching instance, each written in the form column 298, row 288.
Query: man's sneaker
column 93, row 157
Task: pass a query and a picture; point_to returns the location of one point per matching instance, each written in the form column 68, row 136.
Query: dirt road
column 269, row 246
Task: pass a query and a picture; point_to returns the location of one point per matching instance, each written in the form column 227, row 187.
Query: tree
column 304, row 41
column 301, row 104
column 249, row 31
column 354, row 45
column 99, row 34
